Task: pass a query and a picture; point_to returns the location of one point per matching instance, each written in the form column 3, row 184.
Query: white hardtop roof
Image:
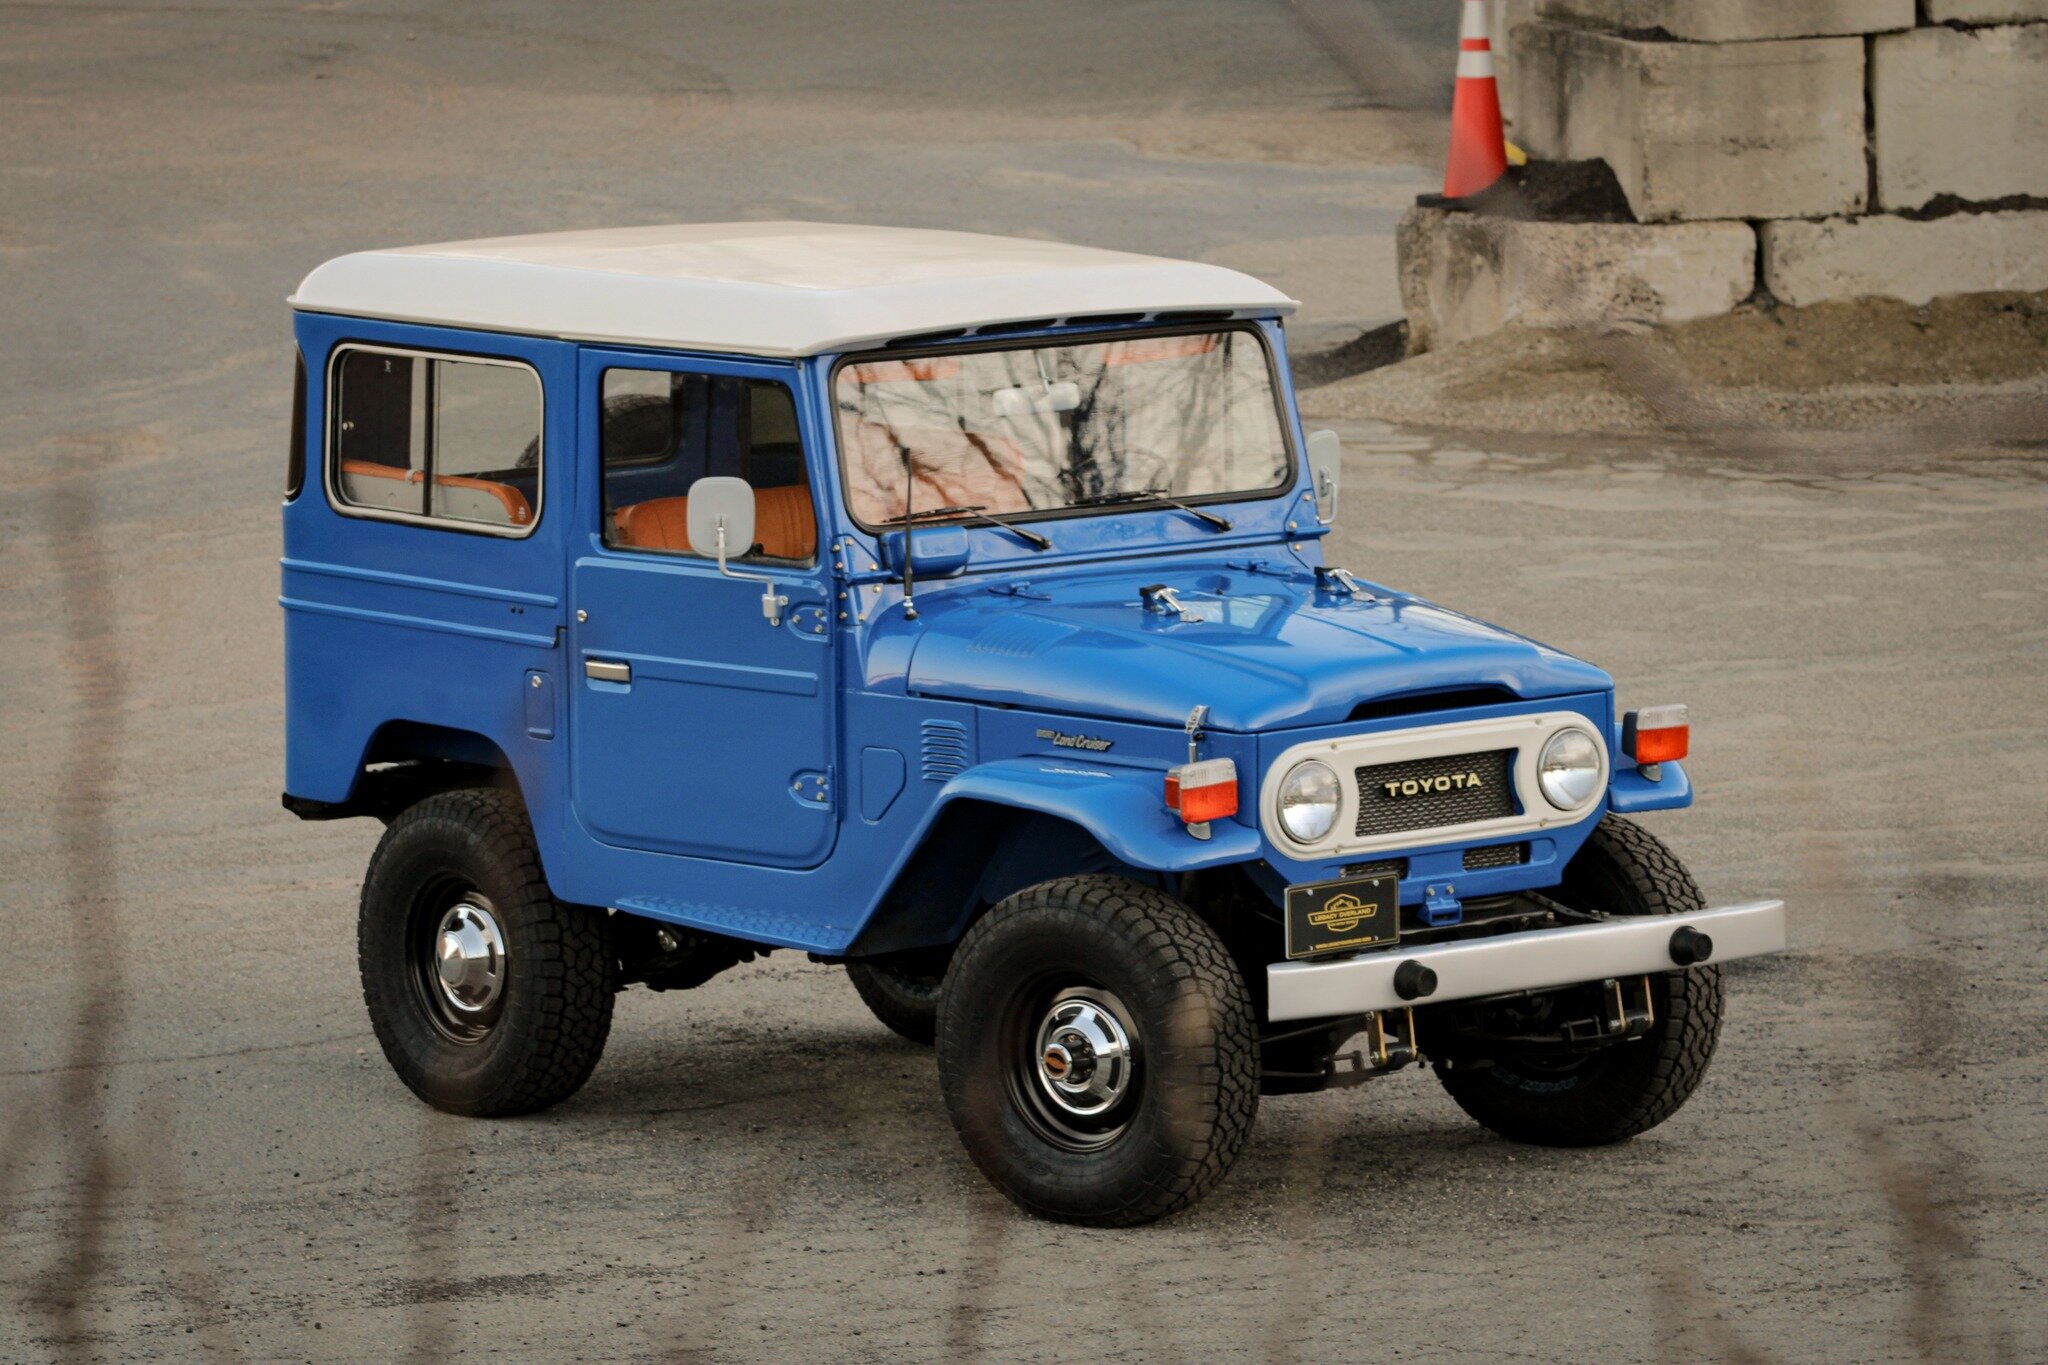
column 781, row 289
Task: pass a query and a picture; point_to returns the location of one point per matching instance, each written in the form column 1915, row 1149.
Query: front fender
column 1124, row 808
column 1630, row 791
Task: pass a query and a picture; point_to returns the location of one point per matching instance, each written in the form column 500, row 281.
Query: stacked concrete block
column 1770, row 129
column 1985, row 11
column 1731, row 21
column 1961, row 113
column 1902, row 258
column 1823, row 149
column 1509, row 15
column 1464, row 275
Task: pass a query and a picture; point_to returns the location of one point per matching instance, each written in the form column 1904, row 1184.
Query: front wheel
column 1562, row 1095
column 1097, row 1051
column 488, row 995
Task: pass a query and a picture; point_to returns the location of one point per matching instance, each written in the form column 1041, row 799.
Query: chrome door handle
column 604, row 670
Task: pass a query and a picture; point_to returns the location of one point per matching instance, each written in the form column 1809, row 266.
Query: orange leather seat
column 783, row 525
column 518, row 511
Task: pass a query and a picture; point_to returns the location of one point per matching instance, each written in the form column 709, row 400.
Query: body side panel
column 388, row 622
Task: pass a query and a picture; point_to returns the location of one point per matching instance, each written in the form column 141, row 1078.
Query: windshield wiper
column 1157, row 495
column 974, row 512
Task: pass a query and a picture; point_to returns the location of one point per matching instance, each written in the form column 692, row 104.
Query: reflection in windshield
column 1044, row 427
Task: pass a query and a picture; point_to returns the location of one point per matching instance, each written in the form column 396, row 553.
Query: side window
column 661, row 431
column 437, row 436
column 295, row 464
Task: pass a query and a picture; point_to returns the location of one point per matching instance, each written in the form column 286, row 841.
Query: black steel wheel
column 1097, row 1051
column 488, row 995
column 1568, row 1096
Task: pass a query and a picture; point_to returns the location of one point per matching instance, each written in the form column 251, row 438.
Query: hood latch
column 1160, row 598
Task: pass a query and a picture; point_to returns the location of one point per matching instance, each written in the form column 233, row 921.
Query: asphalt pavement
column 202, row 1153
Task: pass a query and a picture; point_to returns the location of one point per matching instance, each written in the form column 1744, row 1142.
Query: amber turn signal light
column 1656, row 734
column 1201, row 792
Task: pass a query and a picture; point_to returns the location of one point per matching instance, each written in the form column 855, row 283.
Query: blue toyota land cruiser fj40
column 952, row 607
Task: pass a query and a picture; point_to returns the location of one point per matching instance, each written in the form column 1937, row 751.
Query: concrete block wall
column 1870, row 147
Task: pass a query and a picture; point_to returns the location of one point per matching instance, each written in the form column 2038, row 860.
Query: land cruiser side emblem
column 1425, row 786
column 1063, row 740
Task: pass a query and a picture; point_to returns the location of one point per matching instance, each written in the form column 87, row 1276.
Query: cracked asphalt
column 202, row 1154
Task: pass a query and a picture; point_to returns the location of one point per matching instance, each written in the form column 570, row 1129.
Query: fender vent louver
column 946, row 750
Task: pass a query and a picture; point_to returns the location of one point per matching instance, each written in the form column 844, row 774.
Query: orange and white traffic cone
column 1478, row 138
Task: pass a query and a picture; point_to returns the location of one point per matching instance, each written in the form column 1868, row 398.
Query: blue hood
column 1267, row 652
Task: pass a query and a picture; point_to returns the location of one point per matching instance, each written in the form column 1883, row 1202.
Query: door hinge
column 812, row 788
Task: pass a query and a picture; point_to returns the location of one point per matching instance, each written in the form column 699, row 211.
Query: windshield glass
column 1041, row 428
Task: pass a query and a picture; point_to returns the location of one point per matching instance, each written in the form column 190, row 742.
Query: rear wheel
column 1568, row 1095
column 902, row 990
column 488, row 995
column 1097, row 1051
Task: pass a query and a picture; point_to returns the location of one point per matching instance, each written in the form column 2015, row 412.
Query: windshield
column 1042, row 428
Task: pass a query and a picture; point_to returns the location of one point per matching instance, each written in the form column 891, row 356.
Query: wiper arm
column 1157, row 495
column 974, row 512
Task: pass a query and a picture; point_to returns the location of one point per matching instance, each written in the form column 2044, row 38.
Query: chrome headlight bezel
column 1319, row 814
column 1578, row 777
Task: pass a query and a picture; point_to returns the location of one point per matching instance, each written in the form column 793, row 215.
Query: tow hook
column 1629, row 1013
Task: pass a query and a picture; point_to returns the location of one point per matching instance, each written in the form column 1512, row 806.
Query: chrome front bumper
column 1539, row 959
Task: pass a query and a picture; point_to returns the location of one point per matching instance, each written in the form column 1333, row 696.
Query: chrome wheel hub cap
column 469, row 957
column 1084, row 1055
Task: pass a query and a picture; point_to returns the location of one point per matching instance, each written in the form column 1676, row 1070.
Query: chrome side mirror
column 721, row 524
column 1325, row 463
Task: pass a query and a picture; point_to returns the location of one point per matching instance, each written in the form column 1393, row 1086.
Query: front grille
column 1385, row 867
column 1496, row 855
column 1428, row 793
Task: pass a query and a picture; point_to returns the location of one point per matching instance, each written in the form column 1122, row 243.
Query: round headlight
column 1308, row 802
column 1569, row 769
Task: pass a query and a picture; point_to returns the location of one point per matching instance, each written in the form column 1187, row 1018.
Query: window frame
column 790, row 385
column 1083, row 336
column 330, row 446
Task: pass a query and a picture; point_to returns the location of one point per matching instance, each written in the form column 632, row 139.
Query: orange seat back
column 783, row 525
column 518, row 511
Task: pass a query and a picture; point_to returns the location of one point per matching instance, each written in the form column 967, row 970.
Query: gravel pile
column 1976, row 366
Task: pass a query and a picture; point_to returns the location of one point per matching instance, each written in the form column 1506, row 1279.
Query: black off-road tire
column 1194, row 1091
column 553, row 1011
column 1624, row 1088
column 902, row 993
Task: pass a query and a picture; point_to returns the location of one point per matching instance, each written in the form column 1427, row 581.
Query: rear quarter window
column 418, row 436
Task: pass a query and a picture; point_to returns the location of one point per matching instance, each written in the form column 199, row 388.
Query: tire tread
column 565, row 955
column 1171, row 941
column 1690, row 1003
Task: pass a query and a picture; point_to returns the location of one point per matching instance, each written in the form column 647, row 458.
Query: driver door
column 697, row 727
